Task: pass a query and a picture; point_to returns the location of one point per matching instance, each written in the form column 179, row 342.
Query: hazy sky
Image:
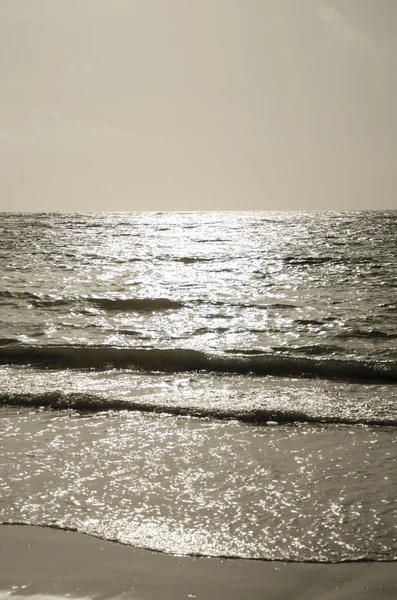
column 198, row 104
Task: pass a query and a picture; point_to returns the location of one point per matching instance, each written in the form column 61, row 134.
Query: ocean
column 204, row 383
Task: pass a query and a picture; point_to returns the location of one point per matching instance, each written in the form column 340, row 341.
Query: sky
column 198, row 105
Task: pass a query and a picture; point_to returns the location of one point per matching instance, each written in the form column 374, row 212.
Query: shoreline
column 44, row 563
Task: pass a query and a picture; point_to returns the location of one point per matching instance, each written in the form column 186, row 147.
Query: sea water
column 219, row 384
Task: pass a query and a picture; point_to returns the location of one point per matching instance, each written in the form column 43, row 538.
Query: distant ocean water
column 219, row 384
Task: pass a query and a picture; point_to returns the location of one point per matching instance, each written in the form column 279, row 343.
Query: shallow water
column 202, row 383
column 197, row 486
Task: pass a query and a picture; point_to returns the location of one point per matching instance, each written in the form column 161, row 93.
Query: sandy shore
column 39, row 562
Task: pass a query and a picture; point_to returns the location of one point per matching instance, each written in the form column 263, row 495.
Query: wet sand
column 44, row 563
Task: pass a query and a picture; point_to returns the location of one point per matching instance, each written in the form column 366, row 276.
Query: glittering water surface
column 189, row 485
column 202, row 383
column 312, row 283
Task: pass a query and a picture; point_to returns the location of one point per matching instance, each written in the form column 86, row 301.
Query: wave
column 321, row 260
column 119, row 304
column 18, row 295
column 389, row 306
column 317, row 349
column 47, row 301
column 205, row 330
column 135, row 304
column 309, row 322
column 316, row 560
column 7, row 341
column 375, row 334
column 37, row 300
column 308, row 260
column 189, row 260
column 275, row 305
column 59, row 400
column 180, row 360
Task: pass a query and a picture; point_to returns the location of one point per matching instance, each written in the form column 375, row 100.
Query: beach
column 39, row 562
column 198, row 300
column 211, row 385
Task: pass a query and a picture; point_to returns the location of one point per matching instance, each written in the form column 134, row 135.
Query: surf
column 180, row 360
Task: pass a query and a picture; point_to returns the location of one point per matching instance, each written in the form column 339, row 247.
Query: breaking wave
column 179, row 360
column 59, row 400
